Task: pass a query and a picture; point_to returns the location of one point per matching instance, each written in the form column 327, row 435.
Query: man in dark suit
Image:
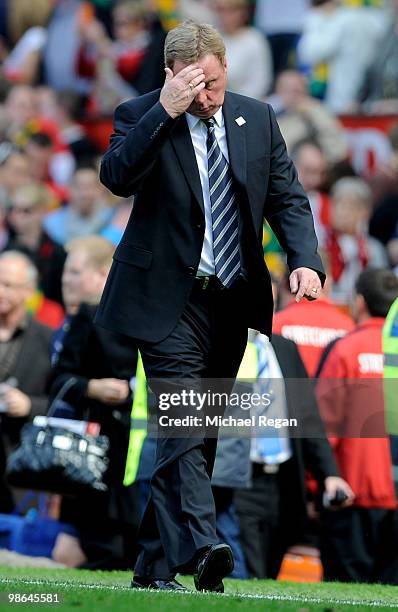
column 188, row 276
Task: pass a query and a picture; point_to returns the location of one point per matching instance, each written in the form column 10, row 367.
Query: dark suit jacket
column 151, row 155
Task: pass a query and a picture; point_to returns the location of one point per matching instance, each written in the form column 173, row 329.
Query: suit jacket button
column 191, row 270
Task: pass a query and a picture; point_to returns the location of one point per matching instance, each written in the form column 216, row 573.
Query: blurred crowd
column 64, row 66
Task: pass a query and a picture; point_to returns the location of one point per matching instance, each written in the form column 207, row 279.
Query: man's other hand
column 305, row 282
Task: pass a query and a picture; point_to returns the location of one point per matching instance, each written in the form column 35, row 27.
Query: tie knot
column 210, row 124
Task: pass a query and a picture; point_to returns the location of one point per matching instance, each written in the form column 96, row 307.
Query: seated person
column 24, row 350
column 102, row 364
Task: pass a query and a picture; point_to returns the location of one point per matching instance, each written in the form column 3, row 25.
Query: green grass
column 97, row 591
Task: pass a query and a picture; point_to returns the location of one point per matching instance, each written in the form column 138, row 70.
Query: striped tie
column 224, row 211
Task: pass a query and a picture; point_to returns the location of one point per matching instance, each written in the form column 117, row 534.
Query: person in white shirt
column 346, row 39
column 22, row 63
column 282, row 22
column 250, row 71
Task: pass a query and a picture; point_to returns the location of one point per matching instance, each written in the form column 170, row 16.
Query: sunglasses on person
column 23, row 210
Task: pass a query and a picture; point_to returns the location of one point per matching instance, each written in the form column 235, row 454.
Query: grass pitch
column 84, row 591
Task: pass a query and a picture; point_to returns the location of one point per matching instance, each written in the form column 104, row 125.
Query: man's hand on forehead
column 180, row 89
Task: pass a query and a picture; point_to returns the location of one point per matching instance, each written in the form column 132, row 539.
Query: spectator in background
column 282, row 21
column 24, row 14
column 20, row 107
column 84, row 214
column 68, row 113
column 27, row 21
column 197, row 10
column 29, row 205
column 14, row 171
column 346, row 39
column 379, row 92
column 24, row 348
column 46, row 102
column 272, row 510
column 246, row 47
column 26, row 114
column 302, row 117
column 60, row 54
column 312, row 169
column 83, row 278
column 384, row 182
column 85, row 271
column 102, row 364
column 313, row 327
column 29, row 129
column 118, row 65
column 48, row 166
column 359, row 544
column 383, row 226
column 348, row 244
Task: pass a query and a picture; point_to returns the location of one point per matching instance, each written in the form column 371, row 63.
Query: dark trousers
column 258, row 513
column 208, row 342
column 360, row 545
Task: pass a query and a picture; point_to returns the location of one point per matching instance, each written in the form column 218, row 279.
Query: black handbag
column 57, row 460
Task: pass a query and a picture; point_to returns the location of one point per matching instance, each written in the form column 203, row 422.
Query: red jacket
column 351, row 403
column 311, row 326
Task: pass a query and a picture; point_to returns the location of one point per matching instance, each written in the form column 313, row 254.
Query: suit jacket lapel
column 236, row 138
column 182, row 143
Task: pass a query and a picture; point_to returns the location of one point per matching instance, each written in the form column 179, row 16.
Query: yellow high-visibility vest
column 138, row 424
column 248, row 369
column 390, row 350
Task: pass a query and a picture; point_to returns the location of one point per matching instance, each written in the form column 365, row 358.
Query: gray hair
column 353, row 186
column 32, row 275
column 190, row 41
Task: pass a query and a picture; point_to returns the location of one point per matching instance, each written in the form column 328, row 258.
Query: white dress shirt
column 198, row 131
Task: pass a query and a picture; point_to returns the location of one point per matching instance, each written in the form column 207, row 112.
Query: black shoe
column 160, row 585
column 214, row 564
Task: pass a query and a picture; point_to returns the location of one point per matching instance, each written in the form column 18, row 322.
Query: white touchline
column 266, row 596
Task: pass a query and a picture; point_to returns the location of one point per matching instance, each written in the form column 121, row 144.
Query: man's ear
column 359, row 307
